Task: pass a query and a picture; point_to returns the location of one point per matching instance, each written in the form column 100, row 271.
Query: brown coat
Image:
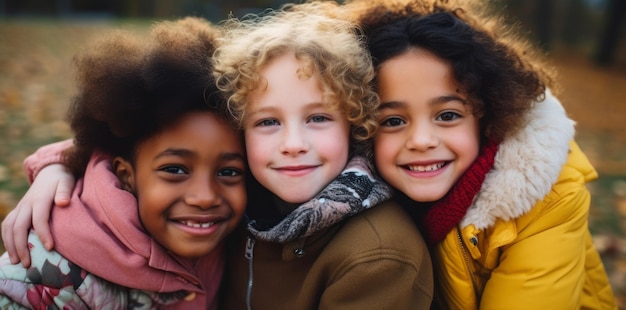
column 374, row 260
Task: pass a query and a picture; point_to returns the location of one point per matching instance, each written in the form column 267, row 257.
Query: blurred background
column 584, row 39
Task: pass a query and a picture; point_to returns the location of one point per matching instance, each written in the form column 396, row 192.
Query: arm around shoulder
column 44, row 156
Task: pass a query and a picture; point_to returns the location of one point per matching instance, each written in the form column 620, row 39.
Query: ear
column 125, row 173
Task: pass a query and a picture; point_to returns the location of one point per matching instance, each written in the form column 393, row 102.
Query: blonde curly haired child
column 320, row 234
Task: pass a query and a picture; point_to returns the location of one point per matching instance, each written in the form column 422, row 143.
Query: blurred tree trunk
column 137, row 8
column 615, row 12
column 575, row 22
column 544, row 15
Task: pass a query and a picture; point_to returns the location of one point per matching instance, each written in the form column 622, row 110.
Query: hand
column 53, row 184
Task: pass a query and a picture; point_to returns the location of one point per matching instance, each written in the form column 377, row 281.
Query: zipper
column 468, row 263
column 249, row 256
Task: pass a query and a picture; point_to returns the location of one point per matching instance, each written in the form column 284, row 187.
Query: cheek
column 237, row 199
column 335, row 150
column 384, row 158
column 338, row 147
column 467, row 142
column 472, row 148
column 149, row 194
column 149, row 214
column 472, row 138
column 342, row 146
column 154, row 198
column 257, row 150
column 383, row 150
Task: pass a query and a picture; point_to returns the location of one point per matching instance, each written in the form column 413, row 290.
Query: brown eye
column 448, row 116
column 392, row 122
column 229, row 172
column 173, row 170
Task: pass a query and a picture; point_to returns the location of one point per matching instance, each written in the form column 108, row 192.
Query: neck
column 282, row 207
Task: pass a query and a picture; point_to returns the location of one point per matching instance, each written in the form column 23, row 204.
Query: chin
column 295, row 201
column 300, row 199
column 424, row 197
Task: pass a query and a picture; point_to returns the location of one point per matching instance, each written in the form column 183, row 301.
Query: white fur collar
column 526, row 166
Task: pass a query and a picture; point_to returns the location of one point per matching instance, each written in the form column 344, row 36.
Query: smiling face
column 189, row 183
column 428, row 135
column 296, row 143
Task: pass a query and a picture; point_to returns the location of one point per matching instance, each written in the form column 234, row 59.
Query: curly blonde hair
column 330, row 47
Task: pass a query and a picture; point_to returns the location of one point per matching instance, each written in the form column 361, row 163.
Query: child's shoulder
column 572, row 179
column 49, row 271
column 72, row 286
column 385, row 226
column 45, row 265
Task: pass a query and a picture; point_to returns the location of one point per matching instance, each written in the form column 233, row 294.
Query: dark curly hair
column 502, row 75
column 131, row 87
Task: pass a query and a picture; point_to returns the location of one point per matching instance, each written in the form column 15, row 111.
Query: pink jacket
column 101, row 232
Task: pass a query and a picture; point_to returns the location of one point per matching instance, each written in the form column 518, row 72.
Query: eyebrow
column 187, row 153
column 232, row 156
column 392, row 105
column 174, row 152
column 434, row 101
column 309, row 105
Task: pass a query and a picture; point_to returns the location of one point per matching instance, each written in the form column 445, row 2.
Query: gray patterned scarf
column 356, row 189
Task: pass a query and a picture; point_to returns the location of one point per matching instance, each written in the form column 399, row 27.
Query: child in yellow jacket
column 482, row 154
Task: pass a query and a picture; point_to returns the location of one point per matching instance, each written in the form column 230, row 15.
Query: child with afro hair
column 156, row 196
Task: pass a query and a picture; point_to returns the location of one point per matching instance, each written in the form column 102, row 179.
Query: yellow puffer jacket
column 525, row 243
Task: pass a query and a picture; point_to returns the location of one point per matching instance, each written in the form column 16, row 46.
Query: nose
column 422, row 137
column 294, row 141
column 203, row 193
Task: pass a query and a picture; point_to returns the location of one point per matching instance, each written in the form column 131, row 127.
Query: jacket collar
column 355, row 190
column 104, row 218
column 526, row 166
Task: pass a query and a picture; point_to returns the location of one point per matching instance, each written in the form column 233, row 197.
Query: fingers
column 64, row 190
column 21, row 228
column 40, row 216
column 7, row 236
column 54, row 183
column 15, row 228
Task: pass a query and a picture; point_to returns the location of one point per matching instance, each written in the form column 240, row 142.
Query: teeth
column 421, row 168
column 196, row 224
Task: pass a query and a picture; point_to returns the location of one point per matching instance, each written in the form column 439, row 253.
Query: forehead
column 287, row 66
column 284, row 83
column 414, row 74
column 195, row 129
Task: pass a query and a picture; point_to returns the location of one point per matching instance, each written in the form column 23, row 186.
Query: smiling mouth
column 295, row 168
column 197, row 224
column 296, row 171
column 425, row 168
